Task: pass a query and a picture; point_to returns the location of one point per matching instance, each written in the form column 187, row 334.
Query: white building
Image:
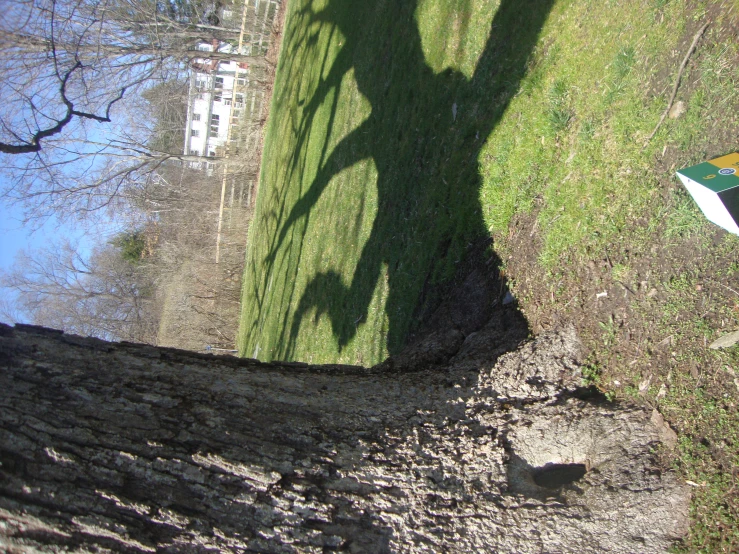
column 214, row 103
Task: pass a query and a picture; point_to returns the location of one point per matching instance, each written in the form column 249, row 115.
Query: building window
column 212, row 154
column 194, row 152
column 199, row 96
column 201, row 84
column 194, row 133
column 227, row 102
column 196, row 117
column 218, row 97
column 241, row 82
column 204, row 48
column 214, row 134
column 219, row 82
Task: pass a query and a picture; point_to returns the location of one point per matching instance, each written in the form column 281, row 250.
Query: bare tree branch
column 34, row 145
column 102, row 295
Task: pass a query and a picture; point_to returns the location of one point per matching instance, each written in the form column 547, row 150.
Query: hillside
column 403, row 137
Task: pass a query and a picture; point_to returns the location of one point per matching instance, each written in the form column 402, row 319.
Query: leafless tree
column 67, row 67
column 98, row 123
column 200, row 296
column 9, row 312
column 102, row 295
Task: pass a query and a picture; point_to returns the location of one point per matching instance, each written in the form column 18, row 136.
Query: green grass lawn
column 370, row 190
column 402, row 132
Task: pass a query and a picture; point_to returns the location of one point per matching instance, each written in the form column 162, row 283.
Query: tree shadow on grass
column 424, row 134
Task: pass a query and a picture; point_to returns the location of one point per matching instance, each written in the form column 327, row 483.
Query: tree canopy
column 74, row 133
column 107, row 293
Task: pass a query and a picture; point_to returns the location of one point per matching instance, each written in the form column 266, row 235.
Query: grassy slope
column 372, row 189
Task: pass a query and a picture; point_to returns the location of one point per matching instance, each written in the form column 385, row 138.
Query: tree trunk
column 123, row 447
column 25, row 43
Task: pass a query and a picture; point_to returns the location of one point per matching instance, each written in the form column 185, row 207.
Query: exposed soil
column 472, row 317
column 591, row 298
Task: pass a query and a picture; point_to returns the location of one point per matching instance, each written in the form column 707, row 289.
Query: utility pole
column 228, row 135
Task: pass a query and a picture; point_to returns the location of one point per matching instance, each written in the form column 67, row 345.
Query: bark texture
column 122, row 447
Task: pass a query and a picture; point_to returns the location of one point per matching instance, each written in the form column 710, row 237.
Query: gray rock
column 726, row 341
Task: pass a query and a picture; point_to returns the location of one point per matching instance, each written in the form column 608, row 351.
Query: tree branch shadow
column 424, row 135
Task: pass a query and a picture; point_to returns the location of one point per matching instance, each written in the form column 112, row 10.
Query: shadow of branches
column 424, row 134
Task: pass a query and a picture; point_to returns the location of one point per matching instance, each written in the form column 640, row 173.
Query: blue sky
column 15, row 236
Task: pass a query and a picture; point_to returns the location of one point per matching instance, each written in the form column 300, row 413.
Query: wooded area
column 93, row 129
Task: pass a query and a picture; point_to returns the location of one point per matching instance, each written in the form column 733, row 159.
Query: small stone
column 726, row 341
column 508, row 298
column 652, row 293
column 666, row 434
column 678, row 109
column 694, row 373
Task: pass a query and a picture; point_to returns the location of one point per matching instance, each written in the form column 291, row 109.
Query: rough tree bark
column 122, row 447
